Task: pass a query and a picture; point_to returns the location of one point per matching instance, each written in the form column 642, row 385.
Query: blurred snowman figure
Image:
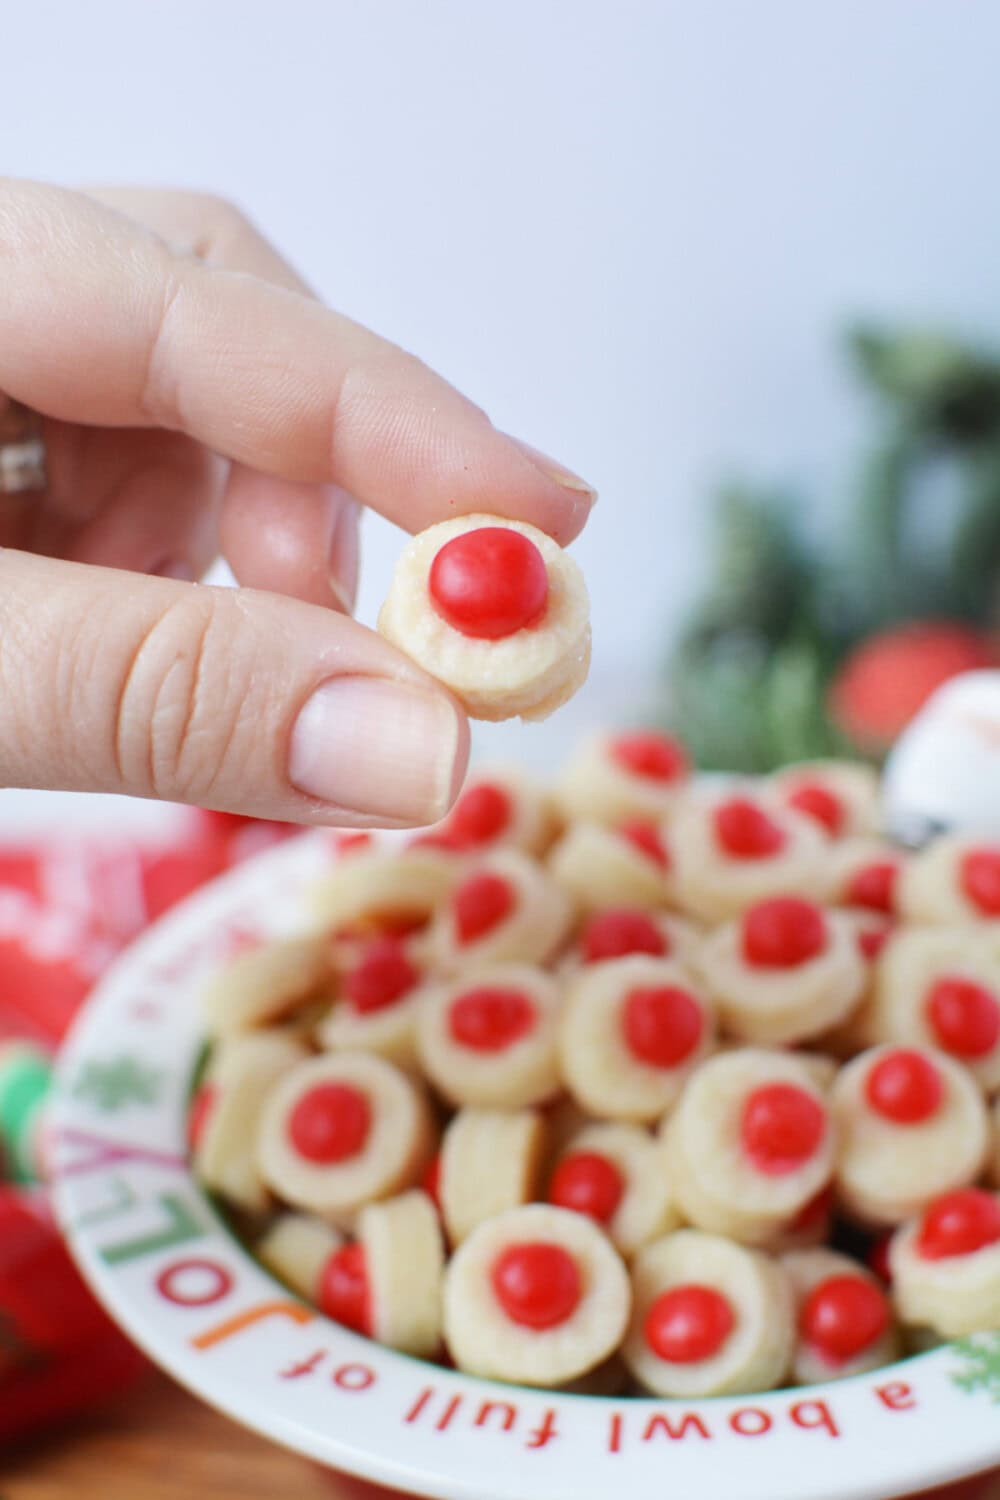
column 943, row 773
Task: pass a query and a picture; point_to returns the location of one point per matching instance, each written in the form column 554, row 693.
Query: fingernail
column 565, row 478
column 371, row 745
column 345, row 555
column 174, row 567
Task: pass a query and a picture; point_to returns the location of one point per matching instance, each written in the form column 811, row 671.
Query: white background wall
column 629, row 229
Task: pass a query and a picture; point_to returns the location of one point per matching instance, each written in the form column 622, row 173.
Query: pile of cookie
column 641, row 1081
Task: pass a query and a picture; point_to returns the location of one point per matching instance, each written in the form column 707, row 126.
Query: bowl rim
column 115, row 1152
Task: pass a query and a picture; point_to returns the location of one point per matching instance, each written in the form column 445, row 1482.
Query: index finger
column 102, row 322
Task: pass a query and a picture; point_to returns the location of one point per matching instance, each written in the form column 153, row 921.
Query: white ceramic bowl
column 171, row 1273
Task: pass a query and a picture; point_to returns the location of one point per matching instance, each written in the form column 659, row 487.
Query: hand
column 194, row 396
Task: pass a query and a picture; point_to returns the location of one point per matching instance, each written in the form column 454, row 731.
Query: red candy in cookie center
column 647, row 839
column 688, row 1324
column 781, row 1127
column 959, row 1223
column 655, row 756
column 329, row 1123
column 490, row 1019
column 382, row 977
column 480, row 814
column 619, row 931
column 818, row 803
column 842, row 1316
column 489, row 583
column 783, row 933
column 481, row 903
column 344, row 1291
column 537, row 1284
column 979, row 875
column 905, row 1087
column 745, row 831
column 964, row 1017
column 661, row 1024
column 588, row 1183
column 874, row 886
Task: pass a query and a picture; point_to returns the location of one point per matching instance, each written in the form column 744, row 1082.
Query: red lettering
column 897, row 1395
column 750, row 1421
column 306, row 1367
column 615, row 1433
column 661, row 1423
column 173, row 1284
column 545, row 1432
column 810, row 1414
column 444, row 1421
column 506, row 1421
column 419, row 1404
column 353, row 1377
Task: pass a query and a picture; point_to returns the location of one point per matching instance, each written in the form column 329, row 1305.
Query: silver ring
column 22, row 449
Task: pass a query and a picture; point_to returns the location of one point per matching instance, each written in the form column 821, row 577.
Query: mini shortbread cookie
column 505, row 909
column 841, row 796
column 536, row 1295
column 729, row 852
column 618, row 1175
column 750, row 1144
column 864, row 873
column 495, row 610
column 843, row 1317
column 954, row 879
column 784, row 972
column 601, row 865
column 498, row 806
column 709, row 1318
column 267, row 984
column 912, row 1124
column 630, row 1033
column 341, row 1130
column 384, row 890
column 491, row 1160
column 940, row 987
column 613, row 778
column 490, row 1039
column 226, row 1110
column 618, row 931
column 375, row 1009
column 946, row 1265
column 297, row 1248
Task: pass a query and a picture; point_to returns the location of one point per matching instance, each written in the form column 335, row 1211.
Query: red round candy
column 814, row 1212
column 874, row 886
column 655, row 756
column 329, row 1123
column 688, row 1323
column 964, row 1017
column 979, row 874
column 344, row 1292
column 842, row 1316
column 783, row 933
column 480, row 814
column 646, row 838
column 480, row 903
column 871, row 941
column 781, row 1127
column 489, row 1019
column 537, row 1284
column 202, row 1104
column 662, row 1024
column 381, row 978
column 820, row 804
column 877, row 1258
column 431, row 1180
column 745, row 831
column 489, row 583
column 619, row 931
column 588, row 1183
column 905, row 1087
column 959, row 1223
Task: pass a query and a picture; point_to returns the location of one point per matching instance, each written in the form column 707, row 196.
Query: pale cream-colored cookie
column 946, row 1265
column 784, row 972
column 495, row 610
column 631, row 1031
column 912, row 1125
column 732, row 850
column 613, row 778
column 536, row 1295
column 709, row 1318
column 341, row 1130
column 601, row 865
column 505, row 909
column 940, row 987
column 244, row 1069
column 841, row 796
column 404, row 1260
column 864, row 872
column 489, row 1038
column 267, row 984
column 616, row 932
column 375, row 1009
column 491, row 1160
column 954, row 879
column 844, row 1319
column 619, row 1176
column 750, row 1144
column 296, row 1248
column 385, row 890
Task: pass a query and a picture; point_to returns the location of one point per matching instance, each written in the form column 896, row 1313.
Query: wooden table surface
column 161, row 1444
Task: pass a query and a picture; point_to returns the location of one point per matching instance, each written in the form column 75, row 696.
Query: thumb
column 227, row 698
